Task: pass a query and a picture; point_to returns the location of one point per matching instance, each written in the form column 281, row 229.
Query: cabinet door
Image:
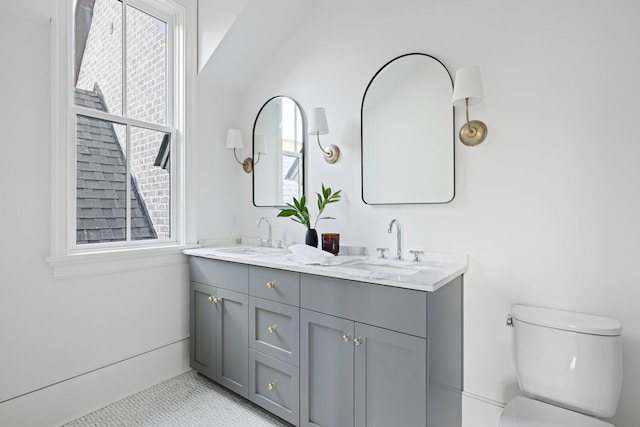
column 390, row 378
column 203, row 329
column 232, row 341
column 326, row 370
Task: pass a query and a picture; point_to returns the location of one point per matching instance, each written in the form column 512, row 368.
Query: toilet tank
column 573, row 360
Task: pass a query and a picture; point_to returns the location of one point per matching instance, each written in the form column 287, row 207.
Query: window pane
column 291, row 126
column 146, row 67
column 150, row 169
column 291, row 180
column 100, row 182
column 98, row 52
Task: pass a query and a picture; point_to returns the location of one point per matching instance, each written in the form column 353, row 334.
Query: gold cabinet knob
column 357, row 341
column 272, row 385
column 214, row 300
column 271, row 285
column 346, row 337
column 210, row 298
column 271, row 329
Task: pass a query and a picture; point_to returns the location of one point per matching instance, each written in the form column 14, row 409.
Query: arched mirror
column 408, row 133
column 278, row 152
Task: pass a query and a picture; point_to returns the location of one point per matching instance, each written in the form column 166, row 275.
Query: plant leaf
column 287, row 213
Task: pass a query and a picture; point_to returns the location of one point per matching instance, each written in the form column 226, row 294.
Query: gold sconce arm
column 473, row 132
column 331, row 154
column 247, row 164
column 468, row 89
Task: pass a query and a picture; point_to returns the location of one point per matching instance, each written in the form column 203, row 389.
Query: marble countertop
column 434, row 271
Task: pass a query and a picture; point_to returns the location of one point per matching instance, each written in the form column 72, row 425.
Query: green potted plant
column 299, row 212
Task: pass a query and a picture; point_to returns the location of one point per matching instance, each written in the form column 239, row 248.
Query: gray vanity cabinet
column 353, row 374
column 203, row 334
column 390, row 378
column 326, row 370
column 274, row 337
column 323, row 351
column 376, row 355
column 231, row 341
column 219, row 323
column 274, row 329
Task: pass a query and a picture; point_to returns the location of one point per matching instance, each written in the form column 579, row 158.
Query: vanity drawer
column 398, row 309
column 222, row 274
column 274, row 329
column 276, row 285
column 274, row 385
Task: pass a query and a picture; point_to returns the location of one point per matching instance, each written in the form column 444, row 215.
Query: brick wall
column 146, row 93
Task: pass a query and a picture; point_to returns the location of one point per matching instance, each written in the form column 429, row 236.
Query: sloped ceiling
column 252, row 35
column 235, row 37
column 215, row 18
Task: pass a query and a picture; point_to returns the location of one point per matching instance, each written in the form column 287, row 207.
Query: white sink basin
column 250, row 250
column 384, row 268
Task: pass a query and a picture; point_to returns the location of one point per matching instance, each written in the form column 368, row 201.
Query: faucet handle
column 416, row 255
column 382, row 251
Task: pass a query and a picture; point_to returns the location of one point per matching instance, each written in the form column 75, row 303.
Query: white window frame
column 67, row 258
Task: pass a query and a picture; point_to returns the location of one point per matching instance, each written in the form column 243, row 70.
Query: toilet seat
column 526, row 412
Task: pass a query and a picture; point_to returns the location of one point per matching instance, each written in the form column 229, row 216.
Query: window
column 122, row 75
column 122, row 71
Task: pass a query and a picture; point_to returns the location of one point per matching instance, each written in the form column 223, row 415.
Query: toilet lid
column 525, row 412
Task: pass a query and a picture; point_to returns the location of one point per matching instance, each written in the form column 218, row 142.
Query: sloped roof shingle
column 100, row 181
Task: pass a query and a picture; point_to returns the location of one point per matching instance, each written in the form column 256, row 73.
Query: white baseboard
column 478, row 411
column 73, row 398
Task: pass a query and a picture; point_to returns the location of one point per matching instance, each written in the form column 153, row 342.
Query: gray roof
column 100, row 181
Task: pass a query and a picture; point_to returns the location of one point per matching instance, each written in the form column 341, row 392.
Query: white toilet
column 569, row 365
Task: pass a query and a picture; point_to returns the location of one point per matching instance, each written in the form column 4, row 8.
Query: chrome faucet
column 398, row 235
column 265, row 219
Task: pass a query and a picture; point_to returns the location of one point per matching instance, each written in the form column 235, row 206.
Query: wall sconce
column 318, row 126
column 234, row 140
column 467, row 90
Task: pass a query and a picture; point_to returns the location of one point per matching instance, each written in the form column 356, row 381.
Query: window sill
column 113, row 261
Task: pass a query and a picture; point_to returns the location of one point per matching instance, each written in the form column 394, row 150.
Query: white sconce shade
column 318, row 122
column 467, row 90
column 234, row 139
column 468, row 84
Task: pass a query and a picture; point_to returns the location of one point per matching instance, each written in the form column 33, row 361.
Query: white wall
column 547, row 208
column 71, row 345
column 222, row 184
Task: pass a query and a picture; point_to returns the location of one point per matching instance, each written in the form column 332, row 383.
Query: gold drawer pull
column 272, row 385
column 272, row 329
column 271, row 285
column 346, row 337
